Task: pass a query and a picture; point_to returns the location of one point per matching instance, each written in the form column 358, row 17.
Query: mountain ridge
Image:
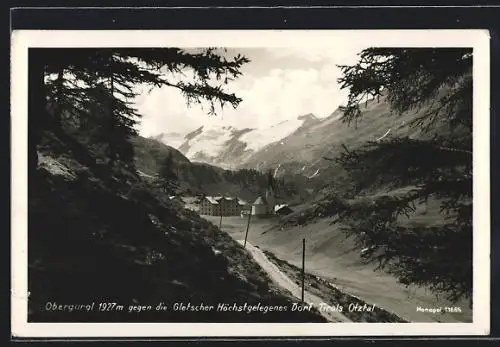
column 196, row 178
column 229, row 147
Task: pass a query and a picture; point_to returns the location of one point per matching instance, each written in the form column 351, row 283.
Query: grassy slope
column 334, row 296
column 93, row 238
column 330, row 255
column 307, row 145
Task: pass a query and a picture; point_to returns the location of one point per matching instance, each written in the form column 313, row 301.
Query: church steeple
column 271, row 182
column 271, row 201
column 270, row 192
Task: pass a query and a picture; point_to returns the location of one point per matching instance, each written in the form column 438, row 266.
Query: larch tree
column 93, row 89
column 434, row 164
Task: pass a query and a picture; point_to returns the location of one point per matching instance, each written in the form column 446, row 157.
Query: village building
column 209, row 206
column 245, row 207
column 263, row 207
column 229, row 206
column 282, row 209
column 220, row 206
column 260, row 207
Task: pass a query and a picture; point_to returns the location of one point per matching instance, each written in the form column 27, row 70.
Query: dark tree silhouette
column 167, row 178
column 96, row 236
column 437, row 164
column 94, row 88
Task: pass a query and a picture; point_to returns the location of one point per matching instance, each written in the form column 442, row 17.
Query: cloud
column 282, row 84
column 344, row 52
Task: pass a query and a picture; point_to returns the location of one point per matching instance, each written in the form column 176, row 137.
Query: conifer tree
column 93, row 88
column 435, row 164
column 167, row 178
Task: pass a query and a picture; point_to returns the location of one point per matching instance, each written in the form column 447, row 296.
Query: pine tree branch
column 436, row 85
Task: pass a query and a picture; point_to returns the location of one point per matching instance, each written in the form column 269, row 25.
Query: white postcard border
column 24, row 39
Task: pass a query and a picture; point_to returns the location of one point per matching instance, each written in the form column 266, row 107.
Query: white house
column 260, row 207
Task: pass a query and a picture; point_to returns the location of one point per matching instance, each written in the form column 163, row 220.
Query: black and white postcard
column 312, row 183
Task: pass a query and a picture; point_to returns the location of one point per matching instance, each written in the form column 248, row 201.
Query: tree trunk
column 37, row 113
column 111, row 114
column 57, row 117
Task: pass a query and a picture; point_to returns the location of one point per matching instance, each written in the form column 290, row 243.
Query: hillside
column 335, row 258
column 148, row 152
column 197, row 177
column 331, row 253
column 102, row 235
column 293, row 147
column 303, row 150
column 229, row 147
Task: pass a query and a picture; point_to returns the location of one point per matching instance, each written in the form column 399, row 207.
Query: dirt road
column 332, row 257
column 284, row 281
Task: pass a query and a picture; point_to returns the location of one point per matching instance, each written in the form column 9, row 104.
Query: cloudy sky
column 276, row 85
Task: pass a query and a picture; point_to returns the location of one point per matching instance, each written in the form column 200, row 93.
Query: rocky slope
column 98, row 235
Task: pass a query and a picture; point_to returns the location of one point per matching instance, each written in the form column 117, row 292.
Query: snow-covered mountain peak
column 228, row 145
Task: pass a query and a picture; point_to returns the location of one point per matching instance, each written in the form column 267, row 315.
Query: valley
column 301, row 152
column 334, row 259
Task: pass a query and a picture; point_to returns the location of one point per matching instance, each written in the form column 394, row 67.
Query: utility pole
column 303, row 265
column 248, row 226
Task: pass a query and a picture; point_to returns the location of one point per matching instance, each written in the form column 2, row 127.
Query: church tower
column 270, row 194
column 271, row 200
